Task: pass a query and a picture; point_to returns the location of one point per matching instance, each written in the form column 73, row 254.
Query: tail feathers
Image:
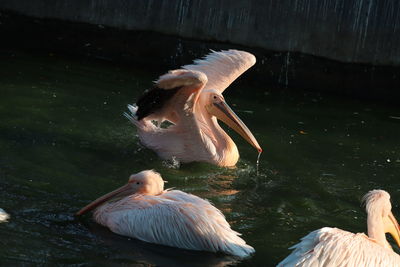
column 301, row 251
column 132, row 115
column 240, row 250
column 233, row 244
column 143, row 124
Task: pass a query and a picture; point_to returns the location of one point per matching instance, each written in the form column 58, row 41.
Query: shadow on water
column 136, row 251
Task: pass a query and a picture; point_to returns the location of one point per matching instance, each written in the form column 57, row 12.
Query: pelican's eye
column 215, row 97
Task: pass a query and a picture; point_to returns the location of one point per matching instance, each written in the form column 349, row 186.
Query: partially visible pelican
column 191, row 99
column 3, row 216
column 334, row 247
column 166, row 217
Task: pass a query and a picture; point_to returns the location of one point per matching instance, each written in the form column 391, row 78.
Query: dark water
column 64, row 142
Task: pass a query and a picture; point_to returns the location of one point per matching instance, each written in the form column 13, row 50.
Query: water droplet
column 258, row 162
column 172, row 163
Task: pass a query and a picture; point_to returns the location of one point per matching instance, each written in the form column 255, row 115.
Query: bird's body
column 172, row 218
column 330, row 247
column 186, row 143
column 335, row 247
column 175, row 219
column 191, row 100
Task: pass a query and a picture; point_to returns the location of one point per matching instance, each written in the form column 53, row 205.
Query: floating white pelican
column 191, row 99
column 166, row 217
column 334, row 247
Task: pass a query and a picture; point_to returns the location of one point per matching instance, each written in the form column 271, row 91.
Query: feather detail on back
column 180, row 78
column 222, row 68
column 173, row 219
column 331, row 247
column 154, row 100
column 173, row 91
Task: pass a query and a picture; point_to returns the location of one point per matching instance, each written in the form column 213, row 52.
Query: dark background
column 342, row 47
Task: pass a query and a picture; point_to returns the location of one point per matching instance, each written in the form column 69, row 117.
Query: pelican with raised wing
column 191, row 100
column 167, row 217
column 331, row 247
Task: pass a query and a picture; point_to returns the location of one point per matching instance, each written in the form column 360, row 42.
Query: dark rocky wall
column 160, row 52
column 366, row 31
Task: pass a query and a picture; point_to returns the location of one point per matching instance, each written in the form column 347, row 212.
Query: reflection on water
column 136, row 251
column 64, row 141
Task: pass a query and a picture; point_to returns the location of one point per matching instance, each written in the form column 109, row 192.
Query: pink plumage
column 191, row 100
column 167, row 217
column 331, row 247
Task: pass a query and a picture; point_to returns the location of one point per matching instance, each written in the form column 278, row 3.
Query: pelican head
column 216, row 106
column 380, row 217
column 146, row 182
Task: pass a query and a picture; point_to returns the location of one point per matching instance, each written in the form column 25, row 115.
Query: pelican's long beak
column 223, row 112
column 392, row 227
column 122, row 191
